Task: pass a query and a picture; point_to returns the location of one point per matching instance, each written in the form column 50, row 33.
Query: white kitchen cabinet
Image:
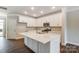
column 44, row 48
column 37, row 46
column 54, row 20
column 42, row 43
column 22, row 19
column 25, row 40
column 31, row 43
column 25, row 19
column 38, row 22
column 34, row 45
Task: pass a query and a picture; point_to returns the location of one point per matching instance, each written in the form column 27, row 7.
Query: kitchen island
column 42, row 42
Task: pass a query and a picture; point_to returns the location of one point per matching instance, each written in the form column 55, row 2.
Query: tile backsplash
column 41, row 28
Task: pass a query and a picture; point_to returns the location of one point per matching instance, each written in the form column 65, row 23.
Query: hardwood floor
column 70, row 48
column 13, row 46
column 17, row 46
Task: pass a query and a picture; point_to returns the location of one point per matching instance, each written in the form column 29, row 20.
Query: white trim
column 73, row 43
column 64, row 28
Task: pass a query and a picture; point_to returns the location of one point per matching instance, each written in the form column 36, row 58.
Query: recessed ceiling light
column 53, row 7
column 41, row 12
column 25, row 12
column 32, row 8
column 34, row 15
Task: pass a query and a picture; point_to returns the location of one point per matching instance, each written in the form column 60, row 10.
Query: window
column 1, row 27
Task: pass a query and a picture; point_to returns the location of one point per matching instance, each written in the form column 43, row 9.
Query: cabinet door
column 25, row 40
column 39, row 22
column 44, row 48
column 55, row 20
column 34, row 46
column 30, row 21
column 29, row 42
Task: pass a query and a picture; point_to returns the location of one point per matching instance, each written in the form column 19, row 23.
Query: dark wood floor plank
column 17, row 46
column 13, row 46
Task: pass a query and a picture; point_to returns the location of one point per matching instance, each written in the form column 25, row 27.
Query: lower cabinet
column 37, row 46
column 51, row 47
column 29, row 43
column 32, row 44
column 44, row 48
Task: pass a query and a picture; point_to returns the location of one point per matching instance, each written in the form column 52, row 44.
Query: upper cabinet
column 54, row 20
column 28, row 20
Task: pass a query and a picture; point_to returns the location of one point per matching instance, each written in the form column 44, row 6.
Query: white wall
column 3, row 15
column 71, row 28
column 11, row 27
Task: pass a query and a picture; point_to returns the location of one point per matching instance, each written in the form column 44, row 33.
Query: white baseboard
column 64, row 44
column 73, row 43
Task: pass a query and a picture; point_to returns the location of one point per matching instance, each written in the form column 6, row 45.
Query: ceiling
column 33, row 11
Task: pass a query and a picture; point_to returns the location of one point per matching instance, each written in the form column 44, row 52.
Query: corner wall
column 72, row 26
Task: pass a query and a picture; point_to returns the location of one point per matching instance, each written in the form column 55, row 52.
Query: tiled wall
column 40, row 28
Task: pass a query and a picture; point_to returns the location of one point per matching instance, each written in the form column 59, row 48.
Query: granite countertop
column 43, row 37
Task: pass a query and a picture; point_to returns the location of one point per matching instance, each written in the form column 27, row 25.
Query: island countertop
column 43, row 37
